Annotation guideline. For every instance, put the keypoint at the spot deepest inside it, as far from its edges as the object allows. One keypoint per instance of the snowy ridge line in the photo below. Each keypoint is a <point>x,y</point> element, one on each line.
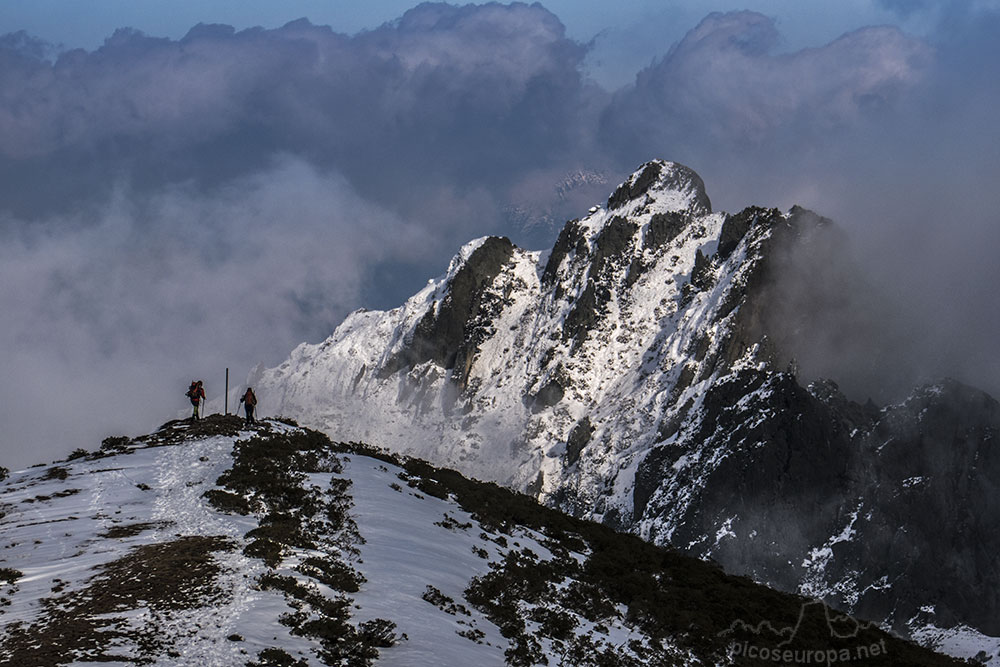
<point>383,559</point>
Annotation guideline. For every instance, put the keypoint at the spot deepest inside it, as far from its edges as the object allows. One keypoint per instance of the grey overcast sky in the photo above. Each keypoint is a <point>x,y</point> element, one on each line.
<point>190,186</point>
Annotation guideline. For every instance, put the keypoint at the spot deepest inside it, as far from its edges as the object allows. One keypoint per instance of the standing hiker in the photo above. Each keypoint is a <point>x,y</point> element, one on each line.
<point>249,402</point>
<point>197,394</point>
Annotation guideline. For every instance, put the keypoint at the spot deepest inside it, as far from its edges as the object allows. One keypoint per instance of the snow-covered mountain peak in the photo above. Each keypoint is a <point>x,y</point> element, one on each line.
<point>647,301</point>
<point>643,373</point>
<point>671,185</point>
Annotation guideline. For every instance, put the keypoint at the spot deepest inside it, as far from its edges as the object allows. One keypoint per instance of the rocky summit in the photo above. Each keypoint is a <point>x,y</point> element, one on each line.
<point>655,371</point>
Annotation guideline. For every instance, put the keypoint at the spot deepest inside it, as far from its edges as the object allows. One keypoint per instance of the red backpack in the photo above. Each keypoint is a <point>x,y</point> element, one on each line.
<point>195,392</point>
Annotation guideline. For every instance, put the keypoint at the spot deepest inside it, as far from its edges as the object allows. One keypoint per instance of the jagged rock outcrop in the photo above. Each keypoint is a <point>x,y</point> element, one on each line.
<point>449,334</point>
<point>644,373</point>
<point>925,504</point>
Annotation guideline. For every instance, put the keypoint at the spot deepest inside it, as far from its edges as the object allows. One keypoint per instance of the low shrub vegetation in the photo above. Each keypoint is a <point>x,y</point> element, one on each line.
<point>269,479</point>
<point>10,575</point>
<point>597,578</point>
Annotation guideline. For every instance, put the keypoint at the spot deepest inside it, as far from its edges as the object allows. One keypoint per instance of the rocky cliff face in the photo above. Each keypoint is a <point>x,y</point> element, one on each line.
<point>643,373</point>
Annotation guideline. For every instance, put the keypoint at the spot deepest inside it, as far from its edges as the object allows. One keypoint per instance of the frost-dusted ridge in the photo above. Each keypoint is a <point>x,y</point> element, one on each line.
<point>214,544</point>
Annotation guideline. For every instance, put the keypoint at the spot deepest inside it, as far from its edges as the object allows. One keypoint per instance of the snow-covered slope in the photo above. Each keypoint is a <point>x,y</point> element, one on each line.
<point>642,373</point>
<point>213,545</point>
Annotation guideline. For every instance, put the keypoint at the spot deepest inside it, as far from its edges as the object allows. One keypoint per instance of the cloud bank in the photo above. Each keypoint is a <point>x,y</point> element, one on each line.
<point>173,207</point>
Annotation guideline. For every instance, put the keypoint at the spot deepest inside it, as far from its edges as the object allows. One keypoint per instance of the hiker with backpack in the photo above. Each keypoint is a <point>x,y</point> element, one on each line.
<point>197,394</point>
<point>249,402</point>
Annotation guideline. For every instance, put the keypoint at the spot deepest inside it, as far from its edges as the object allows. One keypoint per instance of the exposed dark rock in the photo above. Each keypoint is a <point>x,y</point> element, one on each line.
<point>733,230</point>
<point>358,378</point>
<point>613,242</point>
<point>701,277</point>
<point>649,476</point>
<point>931,513</point>
<point>583,315</point>
<point>569,240</point>
<point>634,188</point>
<point>918,484</point>
<point>669,426</point>
<point>684,380</point>
<point>548,395</point>
<point>806,219</point>
<point>461,322</point>
<point>736,226</point>
<point>664,228</point>
<point>860,417</point>
<point>769,296</point>
<point>701,274</point>
<point>779,461</point>
<point>611,250</point>
<point>750,324</point>
<point>579,438</point>
<point>635,270</point>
